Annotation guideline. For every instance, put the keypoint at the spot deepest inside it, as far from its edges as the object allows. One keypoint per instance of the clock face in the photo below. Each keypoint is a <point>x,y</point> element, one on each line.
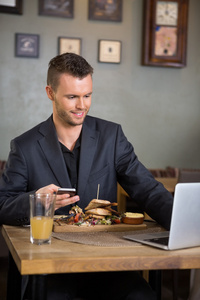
<point>166,13</point>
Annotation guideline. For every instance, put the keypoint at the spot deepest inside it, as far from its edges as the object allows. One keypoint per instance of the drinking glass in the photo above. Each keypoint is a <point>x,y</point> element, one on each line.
<point>41,217</point>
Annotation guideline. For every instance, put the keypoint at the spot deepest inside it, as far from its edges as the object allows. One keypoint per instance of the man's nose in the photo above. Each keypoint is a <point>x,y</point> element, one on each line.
<point>80,103</point>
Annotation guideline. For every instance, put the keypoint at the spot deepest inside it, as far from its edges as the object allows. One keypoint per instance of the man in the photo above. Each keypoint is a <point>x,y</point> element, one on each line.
<point>71,149</point>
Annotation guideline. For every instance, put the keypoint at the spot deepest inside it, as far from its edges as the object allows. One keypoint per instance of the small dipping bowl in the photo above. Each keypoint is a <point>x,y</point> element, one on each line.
<point>133,218</point>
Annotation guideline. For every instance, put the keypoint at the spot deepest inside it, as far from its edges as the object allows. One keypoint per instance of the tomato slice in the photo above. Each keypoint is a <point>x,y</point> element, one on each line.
<point>76,218</point>
<point>117,221</point>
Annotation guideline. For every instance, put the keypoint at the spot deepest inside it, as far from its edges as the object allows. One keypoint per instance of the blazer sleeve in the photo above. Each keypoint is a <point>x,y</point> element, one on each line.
<point>14,198</point>
<point>138,182</point>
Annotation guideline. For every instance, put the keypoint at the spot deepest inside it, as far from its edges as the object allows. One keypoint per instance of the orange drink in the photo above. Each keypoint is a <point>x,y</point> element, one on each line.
<point>41,227</point>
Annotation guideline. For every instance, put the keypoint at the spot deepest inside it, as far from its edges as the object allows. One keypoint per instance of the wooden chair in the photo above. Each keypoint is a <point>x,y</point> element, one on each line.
<point>189,175</point>
<point>2,166</point>
<point>3,248</point>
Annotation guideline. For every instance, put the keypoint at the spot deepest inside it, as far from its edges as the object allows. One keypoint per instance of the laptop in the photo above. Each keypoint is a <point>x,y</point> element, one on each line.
<point>185,222</point>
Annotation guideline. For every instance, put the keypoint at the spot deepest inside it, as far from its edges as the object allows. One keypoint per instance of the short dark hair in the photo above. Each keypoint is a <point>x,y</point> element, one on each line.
<point>70,63</point>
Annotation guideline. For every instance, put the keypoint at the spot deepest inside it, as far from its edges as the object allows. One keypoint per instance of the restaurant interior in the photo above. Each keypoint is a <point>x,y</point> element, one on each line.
<point>156,98</point>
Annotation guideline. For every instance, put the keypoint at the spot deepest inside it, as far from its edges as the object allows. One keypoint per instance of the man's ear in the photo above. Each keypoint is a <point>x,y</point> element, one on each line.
<point>50,92</point>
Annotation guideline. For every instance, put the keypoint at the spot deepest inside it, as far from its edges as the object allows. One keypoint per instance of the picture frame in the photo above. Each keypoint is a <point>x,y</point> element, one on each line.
<point>57,8</point>
<point>109,51</point>
<point>165,33</point>
<point>11,7</point>
<point>68,44</point>
<point>105,10</point>
<point>26,45</point>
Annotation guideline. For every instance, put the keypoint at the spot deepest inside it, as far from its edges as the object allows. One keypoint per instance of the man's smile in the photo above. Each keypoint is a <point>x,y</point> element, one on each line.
<point>79,114</point>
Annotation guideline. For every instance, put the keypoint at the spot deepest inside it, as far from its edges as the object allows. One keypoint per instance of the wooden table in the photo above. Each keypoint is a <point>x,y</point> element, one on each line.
<point>67,257</point>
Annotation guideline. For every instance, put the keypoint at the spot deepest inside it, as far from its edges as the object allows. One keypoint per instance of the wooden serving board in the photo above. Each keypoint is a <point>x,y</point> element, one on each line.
<point>110,228</point>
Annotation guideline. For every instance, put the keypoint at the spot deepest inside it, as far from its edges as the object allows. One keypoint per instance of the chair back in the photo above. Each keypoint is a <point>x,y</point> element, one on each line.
<point>2,166</point>
<point>187,175</point>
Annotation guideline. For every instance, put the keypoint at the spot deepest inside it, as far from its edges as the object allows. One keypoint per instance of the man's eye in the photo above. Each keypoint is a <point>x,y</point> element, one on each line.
<point>71,97</point>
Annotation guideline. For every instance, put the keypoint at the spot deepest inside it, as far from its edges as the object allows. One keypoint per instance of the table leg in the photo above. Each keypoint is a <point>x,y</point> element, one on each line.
<point>38,288</point>
<point>175,284</point>
<point>155,280</point>
<point>14,281</point>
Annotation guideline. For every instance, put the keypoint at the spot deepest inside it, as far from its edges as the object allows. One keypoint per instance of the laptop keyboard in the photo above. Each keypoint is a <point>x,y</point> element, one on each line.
<point>160,240</point>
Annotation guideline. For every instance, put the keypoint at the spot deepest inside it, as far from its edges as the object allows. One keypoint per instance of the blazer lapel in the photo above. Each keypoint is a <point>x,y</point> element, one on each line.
<point>51,148</point>
<point>89,141</point>
<point>52,151</point>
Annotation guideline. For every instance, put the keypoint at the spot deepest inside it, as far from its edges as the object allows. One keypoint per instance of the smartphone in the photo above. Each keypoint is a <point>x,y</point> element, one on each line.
<point>70,191</point>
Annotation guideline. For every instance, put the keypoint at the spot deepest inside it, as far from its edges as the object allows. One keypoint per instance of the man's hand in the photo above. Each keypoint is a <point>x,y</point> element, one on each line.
<point>61,200</point>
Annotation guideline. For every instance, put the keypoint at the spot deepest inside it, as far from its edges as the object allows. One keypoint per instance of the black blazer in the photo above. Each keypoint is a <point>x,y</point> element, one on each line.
<point>106,157</point>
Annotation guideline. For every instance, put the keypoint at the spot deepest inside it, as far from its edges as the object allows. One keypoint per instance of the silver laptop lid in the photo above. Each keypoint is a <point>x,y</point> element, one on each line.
<point>185,223</point>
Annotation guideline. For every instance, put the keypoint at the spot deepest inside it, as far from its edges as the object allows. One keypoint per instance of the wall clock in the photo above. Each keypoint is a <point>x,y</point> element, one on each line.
<point>165,33</point>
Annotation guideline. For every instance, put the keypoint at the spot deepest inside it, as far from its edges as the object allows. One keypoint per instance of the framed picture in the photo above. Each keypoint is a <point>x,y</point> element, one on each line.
<point>105,10</point>
<point>11,6</point>
<point>66,44</point>
<point>57,8</point>
<point>109,51</point>
<point>165,33</point>
<point>26,45</point>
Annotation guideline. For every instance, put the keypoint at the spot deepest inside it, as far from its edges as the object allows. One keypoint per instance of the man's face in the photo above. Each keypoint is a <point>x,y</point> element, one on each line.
<point>72,99</point>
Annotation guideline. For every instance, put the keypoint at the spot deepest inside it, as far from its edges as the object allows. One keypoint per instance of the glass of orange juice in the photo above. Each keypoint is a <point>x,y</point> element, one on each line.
<point>41,218</point>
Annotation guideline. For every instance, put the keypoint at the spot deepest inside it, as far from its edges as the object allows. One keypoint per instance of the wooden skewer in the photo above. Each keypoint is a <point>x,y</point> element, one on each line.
<point>98,191</point>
